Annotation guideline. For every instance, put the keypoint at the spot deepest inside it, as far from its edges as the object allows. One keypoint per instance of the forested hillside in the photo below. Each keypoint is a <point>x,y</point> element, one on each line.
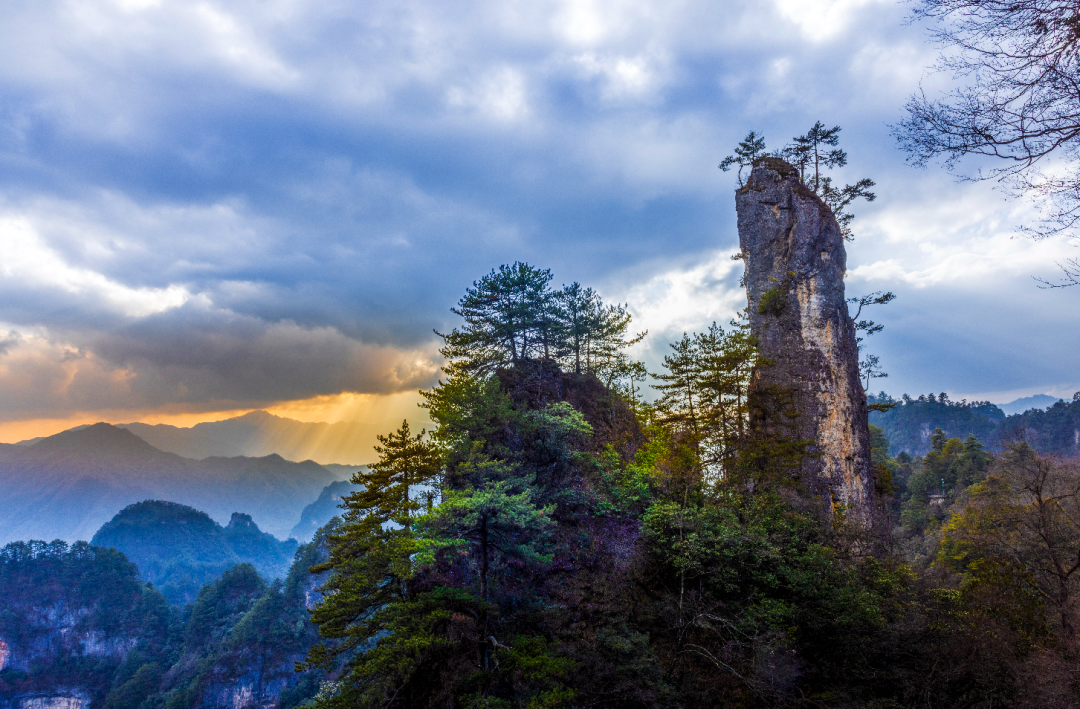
<point>79,629</point>
<point>588,549</point>
<point>179,549</point>
<point>910,424</point>
<point>557,541</point>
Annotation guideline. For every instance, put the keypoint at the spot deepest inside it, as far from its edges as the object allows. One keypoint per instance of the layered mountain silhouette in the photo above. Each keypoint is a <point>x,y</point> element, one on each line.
<point>68,485</point>
<point>259,433</point>
<point>322,510</point>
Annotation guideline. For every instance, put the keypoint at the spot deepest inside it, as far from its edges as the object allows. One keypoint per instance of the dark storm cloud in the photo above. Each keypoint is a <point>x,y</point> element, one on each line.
<point>196,356</point>
<point>188,358</point>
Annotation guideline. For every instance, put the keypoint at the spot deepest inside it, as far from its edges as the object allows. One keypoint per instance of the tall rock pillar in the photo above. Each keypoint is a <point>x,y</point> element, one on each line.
<point>795,262</point>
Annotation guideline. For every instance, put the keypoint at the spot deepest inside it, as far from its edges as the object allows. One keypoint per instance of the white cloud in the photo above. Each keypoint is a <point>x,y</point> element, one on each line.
<point>236,45</point>
<point>583,22</point>
<point>334,169</point>
<point>970,241</point>
<point>822,20</point>
<point>28,260</point>
<point>623,78</point>
<point>500,95</point>
<point>686,298</point>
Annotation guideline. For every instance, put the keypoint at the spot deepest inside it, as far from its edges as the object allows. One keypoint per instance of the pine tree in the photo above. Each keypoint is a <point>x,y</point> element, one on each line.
<point>391,486</point>
<point>680,396</point>
<point>726,360</point>
<point>507,317</point>
<point>493,520</point>
<point>750,149</point>
<point>811,149</point>
<point>580,308</point>
<point>379,624</point>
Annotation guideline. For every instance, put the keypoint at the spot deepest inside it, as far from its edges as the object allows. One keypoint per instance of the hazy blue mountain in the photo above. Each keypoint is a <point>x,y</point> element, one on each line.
<point>66,486</point>
<point>259,433</point>
<point>322,510</point>
<point>343,472</point>
<point>1019,406</point>
<point>180,549</point>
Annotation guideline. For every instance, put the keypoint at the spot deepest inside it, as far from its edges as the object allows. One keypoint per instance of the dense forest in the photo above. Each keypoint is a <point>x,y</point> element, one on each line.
<point>77,622</point>
<point>559,541</point>
<point>180,549</point>
<point>910,423</point>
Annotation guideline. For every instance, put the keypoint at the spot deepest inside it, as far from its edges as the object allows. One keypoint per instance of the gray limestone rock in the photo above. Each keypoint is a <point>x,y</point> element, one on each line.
<point>808,386</point>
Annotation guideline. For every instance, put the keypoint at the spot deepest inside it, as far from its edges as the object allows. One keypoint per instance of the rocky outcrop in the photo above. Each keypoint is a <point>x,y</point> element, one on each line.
<point>60,699</point>
<point>806,386</point>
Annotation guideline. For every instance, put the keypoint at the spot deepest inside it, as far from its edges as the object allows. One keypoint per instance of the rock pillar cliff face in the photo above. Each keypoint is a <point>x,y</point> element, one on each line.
<point>795,262</point>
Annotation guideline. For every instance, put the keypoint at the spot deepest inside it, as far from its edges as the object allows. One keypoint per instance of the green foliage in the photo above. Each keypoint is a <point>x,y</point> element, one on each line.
<point>507,319</point>
<point>909,422</point>
<point>512,316</point>
<point>1049,431</point>
<point>495,521</point>
<point>128,647</point>
<point>746,152</point>
<point>220,606</point>
<point>389,493</point>
<point>673,573</point>
<point>704,393</point>
<point>180,549</point>
<point>1023,521</point>
<point>132,693</point>
<point>99,590</point>
<point>554,544</point>
<point>773,302</point>
<point>810,154</point>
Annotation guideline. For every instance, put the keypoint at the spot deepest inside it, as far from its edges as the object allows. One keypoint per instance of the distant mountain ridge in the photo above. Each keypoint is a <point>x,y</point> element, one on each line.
<point>68,485</point>
<point>1019,406</point>
<point>259,433</point>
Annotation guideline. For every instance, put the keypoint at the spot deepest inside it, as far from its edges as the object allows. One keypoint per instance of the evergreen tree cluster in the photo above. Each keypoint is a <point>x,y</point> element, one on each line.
<point>556,542</point>
<point>512,315</point>
<point>703,392</point>
<point>812,154</point>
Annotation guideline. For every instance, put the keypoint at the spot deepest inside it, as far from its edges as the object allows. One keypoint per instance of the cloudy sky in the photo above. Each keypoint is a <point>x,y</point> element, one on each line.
<point>208,207</point>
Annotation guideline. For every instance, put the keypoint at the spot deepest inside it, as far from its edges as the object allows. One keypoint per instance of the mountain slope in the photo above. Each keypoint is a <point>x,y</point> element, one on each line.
<point>322,510</point>
<point>66,486</point>
<point>80,629</point>
<point>911,422</point>
<point>180,549</point>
